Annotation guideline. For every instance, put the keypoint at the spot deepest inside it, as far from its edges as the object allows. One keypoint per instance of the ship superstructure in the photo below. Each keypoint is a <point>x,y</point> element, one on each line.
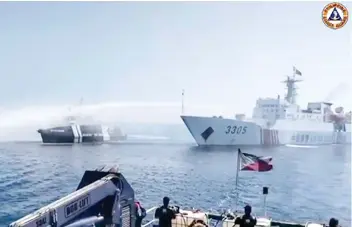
<point>276,121</point>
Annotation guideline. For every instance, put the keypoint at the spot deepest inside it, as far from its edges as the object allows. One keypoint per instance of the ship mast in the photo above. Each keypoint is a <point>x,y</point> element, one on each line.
<point>291,86</point>
<point>183,107</point>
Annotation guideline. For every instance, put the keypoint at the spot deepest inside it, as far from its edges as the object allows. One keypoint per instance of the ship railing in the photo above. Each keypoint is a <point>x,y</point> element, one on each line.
<point>154,220</point>
<point>215,220</point>
<point>218,220</point>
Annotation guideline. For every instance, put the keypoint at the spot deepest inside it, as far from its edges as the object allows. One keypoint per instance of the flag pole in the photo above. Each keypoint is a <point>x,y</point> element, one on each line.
<point>183,94</point>
<point>237,171</point>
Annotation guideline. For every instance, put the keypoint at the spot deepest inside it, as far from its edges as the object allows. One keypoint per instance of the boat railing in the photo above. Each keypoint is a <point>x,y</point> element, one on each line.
<point>154,220</point>
<point>220,220</point>
<point>185,219</point>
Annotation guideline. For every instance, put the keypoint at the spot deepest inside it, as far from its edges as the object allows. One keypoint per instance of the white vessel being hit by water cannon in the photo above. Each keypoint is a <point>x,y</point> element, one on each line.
<point>276,121</point>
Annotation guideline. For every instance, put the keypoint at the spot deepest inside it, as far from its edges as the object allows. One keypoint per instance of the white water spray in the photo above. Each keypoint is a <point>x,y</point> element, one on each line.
<point>22,124</point>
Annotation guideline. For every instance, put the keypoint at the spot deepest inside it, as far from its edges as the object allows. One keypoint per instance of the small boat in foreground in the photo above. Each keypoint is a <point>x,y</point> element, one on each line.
<point>105,198</point>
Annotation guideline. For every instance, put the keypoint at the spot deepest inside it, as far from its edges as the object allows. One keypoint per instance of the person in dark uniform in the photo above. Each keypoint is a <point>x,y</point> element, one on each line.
<point>247,220</point>
<point>165,214</point>
<point>333,222</point>
<point>140,214</point>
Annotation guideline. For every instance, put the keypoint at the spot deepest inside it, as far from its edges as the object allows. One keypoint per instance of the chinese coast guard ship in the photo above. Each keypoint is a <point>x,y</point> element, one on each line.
<point>74,132</point>
<point>276,121</point>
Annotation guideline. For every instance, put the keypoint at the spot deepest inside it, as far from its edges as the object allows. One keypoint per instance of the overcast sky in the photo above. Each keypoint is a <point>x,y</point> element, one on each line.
<point>224,54</point>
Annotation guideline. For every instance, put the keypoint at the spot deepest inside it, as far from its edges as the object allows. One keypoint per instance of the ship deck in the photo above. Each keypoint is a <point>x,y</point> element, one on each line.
<point>185,218</point>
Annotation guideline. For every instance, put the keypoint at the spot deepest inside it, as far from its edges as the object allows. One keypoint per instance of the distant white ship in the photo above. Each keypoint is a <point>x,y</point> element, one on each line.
<point>276,121</point>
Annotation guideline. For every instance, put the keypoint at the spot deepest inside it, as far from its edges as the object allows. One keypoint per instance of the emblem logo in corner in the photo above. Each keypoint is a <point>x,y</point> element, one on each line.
<point>335,15</point>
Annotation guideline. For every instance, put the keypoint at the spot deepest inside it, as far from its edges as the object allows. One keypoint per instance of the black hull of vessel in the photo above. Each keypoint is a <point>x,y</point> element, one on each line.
<point>52,138</point>
<point>73,134</point>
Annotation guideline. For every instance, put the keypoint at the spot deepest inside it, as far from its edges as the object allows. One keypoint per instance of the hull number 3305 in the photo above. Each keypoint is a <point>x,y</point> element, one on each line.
<point>236,129</point>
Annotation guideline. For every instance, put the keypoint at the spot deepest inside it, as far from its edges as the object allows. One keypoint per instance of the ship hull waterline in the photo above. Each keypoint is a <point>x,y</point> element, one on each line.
<point>72,134</point>
<point>214,131</point>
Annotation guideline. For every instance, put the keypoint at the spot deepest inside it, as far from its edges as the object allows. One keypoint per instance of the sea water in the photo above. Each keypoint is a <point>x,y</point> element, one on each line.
<point>305,183</point>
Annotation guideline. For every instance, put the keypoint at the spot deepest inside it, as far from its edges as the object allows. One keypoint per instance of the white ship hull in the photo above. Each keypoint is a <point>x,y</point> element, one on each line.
<point>276,121</point>
<point>219,131</point>
<point>314,137</point>
<point>213,131</point>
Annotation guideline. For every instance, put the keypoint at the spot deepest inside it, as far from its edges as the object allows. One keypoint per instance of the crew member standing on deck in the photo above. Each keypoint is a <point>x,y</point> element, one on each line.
<point>333,222</point>
<point>247,220</point>
<point>140,214</point>
<point>165,214</point>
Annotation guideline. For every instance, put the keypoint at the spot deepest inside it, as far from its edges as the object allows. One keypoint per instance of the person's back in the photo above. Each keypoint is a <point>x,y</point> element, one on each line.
<point>247,220</point>
<point>165,214</point>
<point>140,214</point>
<point>333,222</point>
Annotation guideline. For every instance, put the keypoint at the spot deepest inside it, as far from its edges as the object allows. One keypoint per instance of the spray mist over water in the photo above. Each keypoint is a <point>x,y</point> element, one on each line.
<point>341,90</point>
<point>22,124</point>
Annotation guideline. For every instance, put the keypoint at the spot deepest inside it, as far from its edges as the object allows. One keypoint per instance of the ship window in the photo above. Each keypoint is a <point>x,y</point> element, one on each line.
<point>293,138</point>
<point>307,138</point>
<point>302,138</point>
<point>298,138</point>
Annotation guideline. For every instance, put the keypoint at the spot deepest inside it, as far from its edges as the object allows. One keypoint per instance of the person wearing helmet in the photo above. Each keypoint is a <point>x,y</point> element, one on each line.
<point>140,214</point>
<point>165,214</point>
<point>247,220</point>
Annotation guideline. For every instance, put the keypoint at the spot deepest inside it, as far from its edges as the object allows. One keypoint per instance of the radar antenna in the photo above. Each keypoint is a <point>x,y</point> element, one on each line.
<point>291,86</point>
